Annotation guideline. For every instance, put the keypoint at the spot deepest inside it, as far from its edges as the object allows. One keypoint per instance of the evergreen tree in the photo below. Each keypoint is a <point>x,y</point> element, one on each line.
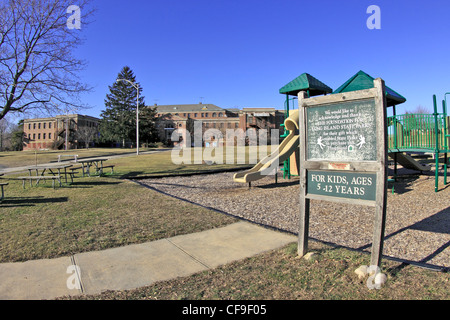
<point>118,120</point>
<point>147,127</point>
<point>18,137</point>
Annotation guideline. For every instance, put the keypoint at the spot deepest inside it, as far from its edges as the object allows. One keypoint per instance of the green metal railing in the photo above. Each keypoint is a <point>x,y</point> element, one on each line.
<point>417,131</point>
<point>421,132</point>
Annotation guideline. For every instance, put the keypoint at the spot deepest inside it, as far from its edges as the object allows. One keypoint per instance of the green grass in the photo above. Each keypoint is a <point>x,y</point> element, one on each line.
<point>92,214</point>
<point>96,213</point>
<point>27,158</point>
<point>162,164</point>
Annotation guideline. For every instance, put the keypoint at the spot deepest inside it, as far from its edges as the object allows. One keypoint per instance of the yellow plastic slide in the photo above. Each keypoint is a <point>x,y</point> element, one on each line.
<point>270,163</point>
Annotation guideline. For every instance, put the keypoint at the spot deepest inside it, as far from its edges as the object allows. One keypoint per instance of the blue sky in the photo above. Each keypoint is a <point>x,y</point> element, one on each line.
<point>239,53</point>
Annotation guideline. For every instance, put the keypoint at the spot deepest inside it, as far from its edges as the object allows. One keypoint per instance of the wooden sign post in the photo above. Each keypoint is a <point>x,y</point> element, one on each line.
<point>343,156</point>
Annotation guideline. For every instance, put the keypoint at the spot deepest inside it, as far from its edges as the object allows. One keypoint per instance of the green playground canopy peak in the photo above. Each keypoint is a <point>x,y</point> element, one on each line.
<point>362,80</point>
<point>306,82</point>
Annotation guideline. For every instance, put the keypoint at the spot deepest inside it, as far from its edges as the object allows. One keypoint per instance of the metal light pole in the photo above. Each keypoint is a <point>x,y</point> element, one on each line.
<point>136,86</point>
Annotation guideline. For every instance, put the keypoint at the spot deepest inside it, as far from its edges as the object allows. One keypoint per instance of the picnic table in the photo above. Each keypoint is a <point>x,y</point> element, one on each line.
<point>2,185</point>
<point>75,156</point>
<point>56,172</point>
<point>97,163</point>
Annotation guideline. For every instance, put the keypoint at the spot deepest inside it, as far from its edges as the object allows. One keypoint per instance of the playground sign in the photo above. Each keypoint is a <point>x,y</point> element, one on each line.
<point>343,155</point>
<point>342,184</point>
<point>344,133</point>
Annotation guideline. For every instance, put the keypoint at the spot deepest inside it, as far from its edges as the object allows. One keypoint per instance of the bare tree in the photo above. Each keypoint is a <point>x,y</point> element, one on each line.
<point>86,134</point>
<point>37,68</point>
<point>4,132</point>
<point>419,110</point>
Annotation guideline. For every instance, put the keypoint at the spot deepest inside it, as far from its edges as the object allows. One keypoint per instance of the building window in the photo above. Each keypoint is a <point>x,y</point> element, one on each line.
<point>195,115</point>
<point>39,136</point>
<point>34,125</point>
<point>49,135</point>
<point>203,115</point>
<point>29,126</point>
<point>43,136</point>
<point>39,125</point>
<point>214,115</point>
<point>44,125</point>
<point>184,114</point>
<point>49,125</point>
<point>206,115</point>
<point>220,114</point>
<point>34,136</point>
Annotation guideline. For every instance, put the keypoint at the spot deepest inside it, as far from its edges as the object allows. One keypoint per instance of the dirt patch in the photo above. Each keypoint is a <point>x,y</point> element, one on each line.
<point>417,226</point>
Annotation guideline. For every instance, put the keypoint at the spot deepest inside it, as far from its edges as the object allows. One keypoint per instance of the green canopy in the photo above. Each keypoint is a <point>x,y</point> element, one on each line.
<point>362,80</point>
<point>306,82</point>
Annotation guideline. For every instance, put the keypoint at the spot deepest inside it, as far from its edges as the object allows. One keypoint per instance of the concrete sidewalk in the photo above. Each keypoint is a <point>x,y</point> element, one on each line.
<point>136,266</point>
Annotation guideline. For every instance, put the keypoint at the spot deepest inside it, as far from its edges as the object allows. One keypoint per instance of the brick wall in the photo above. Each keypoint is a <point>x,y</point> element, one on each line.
<point>40,133</point>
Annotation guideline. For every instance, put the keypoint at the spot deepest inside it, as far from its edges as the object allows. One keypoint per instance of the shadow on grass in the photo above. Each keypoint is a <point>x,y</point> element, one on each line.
<point>182,171</point>
<point>92,184</point>
<point>130,175</point>
<point>29,201</point>
<point>178,185</point>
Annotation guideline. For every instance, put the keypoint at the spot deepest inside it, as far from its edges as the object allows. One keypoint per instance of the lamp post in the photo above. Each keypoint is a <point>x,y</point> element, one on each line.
<point>136,86</point>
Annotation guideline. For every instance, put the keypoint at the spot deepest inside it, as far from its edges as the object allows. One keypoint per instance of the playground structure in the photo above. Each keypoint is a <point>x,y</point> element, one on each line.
<point>420,133</point>
<point>270,164</point>
<point>287,152</point>
<point>313,87</point>
<point>407,134</point>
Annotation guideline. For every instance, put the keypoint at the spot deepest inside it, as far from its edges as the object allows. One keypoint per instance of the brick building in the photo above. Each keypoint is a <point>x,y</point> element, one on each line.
<point>172,117</point>
<point>53,133</point>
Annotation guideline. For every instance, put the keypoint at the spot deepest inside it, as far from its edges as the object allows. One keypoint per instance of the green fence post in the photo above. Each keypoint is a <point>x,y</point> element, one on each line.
<point>286,169</point>
<point>436,128</point>
<point>444,136</point>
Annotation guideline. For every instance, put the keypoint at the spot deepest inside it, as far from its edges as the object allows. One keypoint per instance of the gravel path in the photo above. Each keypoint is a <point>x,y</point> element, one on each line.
<point>417,226</point>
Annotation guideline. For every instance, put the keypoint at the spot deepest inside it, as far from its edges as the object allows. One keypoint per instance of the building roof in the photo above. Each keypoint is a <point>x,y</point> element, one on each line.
<point>234,110</point>
<point>305,82</point>
<point>362,80</point>
<point>187,108</point>
<point>62,117</point>
<point>172,117</point>
<point>258,109</point>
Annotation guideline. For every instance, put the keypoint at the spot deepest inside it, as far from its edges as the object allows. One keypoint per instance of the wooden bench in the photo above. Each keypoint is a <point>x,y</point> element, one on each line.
<point>2,185</point>
<point>110,166</point>
<point>75,156</point>
<point>38,178</point>
<point>86,170</point>
<point>72,175</point>
<point>74,172</point>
